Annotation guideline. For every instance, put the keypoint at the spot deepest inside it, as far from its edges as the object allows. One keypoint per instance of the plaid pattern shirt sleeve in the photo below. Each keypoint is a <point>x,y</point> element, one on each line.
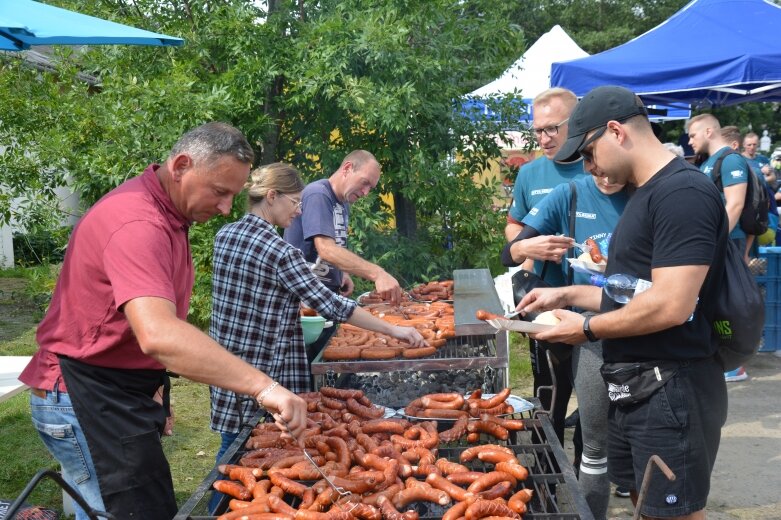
<point>258,282</point>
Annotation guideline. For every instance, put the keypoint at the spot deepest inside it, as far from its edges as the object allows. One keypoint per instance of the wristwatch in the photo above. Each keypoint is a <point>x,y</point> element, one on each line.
<point>587,329</point>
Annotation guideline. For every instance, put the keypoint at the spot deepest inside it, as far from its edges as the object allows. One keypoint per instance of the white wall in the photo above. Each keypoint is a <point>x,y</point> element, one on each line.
<point>6,247</point>
<point>68,201</point>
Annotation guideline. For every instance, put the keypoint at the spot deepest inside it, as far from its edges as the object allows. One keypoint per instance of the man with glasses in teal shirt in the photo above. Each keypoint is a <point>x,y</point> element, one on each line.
<point>551,110</point>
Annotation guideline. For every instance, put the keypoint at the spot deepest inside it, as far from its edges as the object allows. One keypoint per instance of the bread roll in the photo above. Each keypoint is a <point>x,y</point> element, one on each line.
<point>546,318</point>
<point>586,257</point>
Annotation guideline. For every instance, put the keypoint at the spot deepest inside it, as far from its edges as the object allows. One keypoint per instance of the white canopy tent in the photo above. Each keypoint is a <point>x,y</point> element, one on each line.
<point>530,74</point>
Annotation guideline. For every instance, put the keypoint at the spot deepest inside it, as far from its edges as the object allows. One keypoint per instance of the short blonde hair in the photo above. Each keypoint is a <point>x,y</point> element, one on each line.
<point>567,97</point>
<point>707,119</point>
<point>280,177</point>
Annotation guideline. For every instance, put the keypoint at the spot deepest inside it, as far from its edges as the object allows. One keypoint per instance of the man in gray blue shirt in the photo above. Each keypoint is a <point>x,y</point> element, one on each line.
<point>321,229</point>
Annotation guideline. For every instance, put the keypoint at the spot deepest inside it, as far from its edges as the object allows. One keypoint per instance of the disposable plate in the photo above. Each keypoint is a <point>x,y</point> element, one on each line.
<point>517,325</point>
<point>586,267</point>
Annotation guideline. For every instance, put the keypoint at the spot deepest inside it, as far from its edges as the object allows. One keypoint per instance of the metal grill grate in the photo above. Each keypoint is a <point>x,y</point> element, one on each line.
<point>468,346</point>
<point>556,496</point>
<point>458,353</point>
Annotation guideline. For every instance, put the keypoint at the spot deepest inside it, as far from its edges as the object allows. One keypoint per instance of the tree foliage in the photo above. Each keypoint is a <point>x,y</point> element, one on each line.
<point>596,25</point>
<point>306,81</point>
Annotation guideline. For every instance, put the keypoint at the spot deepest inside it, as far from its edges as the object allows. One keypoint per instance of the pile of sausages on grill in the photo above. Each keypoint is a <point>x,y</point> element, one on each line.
<point>434,321</point>
<point>433,291</point>
<point>456,406</point>
<point>426,292</point>
<point>385,464</point>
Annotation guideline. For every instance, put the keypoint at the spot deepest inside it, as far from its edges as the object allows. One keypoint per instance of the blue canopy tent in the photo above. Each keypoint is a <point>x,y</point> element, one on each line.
<point>24,23</point>
<point>710,53</point>
<point>530,75</point>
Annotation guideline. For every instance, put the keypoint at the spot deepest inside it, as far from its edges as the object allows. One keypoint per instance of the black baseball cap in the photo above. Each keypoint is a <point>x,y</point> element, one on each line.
<point>595,109</point>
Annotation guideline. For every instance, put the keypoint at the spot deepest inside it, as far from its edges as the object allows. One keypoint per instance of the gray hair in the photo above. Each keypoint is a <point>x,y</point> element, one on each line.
<point>210,141</point>
<point>359,158</point>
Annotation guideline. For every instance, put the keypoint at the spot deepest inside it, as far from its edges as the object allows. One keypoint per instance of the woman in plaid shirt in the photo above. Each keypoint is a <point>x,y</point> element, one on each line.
<point>259,282</point>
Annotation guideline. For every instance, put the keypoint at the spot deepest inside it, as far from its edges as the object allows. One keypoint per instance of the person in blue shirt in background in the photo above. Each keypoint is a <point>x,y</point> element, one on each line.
<point>762,170</point>
<point>758,162</point>
<point>546,232</point>
<point>705,137</point>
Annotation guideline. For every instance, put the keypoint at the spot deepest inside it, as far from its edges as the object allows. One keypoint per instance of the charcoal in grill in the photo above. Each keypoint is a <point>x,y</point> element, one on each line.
<point>397,389</point>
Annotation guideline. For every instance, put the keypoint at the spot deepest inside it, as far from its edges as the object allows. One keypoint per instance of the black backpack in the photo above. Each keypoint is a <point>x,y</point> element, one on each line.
<point>754,218</point>
<point>739,313</point>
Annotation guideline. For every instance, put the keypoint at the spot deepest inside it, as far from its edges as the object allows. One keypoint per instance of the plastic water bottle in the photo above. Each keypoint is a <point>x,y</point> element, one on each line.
<point>620,287</point>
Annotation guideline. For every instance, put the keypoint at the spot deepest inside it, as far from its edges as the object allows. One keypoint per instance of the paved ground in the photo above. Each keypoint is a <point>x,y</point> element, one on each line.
<point>746,482</point>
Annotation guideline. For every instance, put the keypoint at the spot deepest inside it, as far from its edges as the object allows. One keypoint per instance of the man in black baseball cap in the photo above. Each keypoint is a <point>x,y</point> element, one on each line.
<point>672,237</point>
<point>603,104</point>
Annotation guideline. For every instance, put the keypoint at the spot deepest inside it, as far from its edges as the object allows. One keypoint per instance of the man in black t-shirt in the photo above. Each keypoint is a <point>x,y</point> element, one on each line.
<point>667,390</point>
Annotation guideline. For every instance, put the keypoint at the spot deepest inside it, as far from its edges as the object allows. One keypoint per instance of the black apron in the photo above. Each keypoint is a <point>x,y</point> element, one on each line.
<point>122,425</point>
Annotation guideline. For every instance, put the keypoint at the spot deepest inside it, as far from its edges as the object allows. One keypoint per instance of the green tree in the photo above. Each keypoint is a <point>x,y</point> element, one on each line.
<point>307,82</point>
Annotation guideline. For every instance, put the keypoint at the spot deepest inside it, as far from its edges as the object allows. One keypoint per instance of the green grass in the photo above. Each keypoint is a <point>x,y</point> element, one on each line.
<point>520,366</point>
<point>23,454</point>
<point>190,450</point>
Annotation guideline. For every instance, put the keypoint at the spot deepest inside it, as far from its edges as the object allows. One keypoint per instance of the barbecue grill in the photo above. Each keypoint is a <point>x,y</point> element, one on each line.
<point>476,358</point>
<point>556,492</point>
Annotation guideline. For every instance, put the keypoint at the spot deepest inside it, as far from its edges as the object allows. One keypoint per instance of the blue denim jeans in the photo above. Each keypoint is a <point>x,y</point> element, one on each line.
<point>60,431</point>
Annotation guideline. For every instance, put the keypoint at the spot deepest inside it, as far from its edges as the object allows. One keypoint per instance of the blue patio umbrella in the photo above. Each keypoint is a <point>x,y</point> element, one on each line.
<point>24,23</point>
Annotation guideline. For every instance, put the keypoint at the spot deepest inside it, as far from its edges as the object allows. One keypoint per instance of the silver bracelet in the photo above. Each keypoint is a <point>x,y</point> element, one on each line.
<point>263,393</point>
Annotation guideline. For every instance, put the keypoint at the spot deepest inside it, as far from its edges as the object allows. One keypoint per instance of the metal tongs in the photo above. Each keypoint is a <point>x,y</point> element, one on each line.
<point>343,493</point>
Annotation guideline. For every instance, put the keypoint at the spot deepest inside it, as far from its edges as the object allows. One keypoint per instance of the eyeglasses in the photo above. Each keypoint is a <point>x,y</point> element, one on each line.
<point>589,155</point>
<point>299,204</point>
<point>550,131</point>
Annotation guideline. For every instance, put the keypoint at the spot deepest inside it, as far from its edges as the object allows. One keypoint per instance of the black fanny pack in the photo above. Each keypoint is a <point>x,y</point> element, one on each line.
<point>631,383</point>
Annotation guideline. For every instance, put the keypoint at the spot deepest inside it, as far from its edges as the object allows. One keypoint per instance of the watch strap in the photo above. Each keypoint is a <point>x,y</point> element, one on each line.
<point>587,329</point>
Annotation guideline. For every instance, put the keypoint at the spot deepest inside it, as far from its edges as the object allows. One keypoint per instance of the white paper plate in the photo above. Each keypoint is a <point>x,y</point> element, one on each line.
<point>586,267</point>
<point>517,325</point>
<point>360,298</point>
<point>519,404</point>
<point>391,412</point>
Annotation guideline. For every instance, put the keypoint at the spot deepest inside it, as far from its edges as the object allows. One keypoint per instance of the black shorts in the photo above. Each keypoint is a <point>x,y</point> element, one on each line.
<point>681,423</point>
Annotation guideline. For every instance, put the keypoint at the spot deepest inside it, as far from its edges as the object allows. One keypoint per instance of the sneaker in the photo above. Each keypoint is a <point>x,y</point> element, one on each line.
<point>622,492</point>
<point>739,374</point>
<point>572,420</point>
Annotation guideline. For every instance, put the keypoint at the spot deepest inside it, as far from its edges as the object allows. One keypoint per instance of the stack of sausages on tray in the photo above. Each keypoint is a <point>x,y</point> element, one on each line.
<point>433,291</point>
<point>434,321</point>
<point>387,465</point>
<point>424,292</point>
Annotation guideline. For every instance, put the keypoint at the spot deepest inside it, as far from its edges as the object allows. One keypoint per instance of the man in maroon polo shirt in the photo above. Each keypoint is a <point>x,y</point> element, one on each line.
<point>117,320</point>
